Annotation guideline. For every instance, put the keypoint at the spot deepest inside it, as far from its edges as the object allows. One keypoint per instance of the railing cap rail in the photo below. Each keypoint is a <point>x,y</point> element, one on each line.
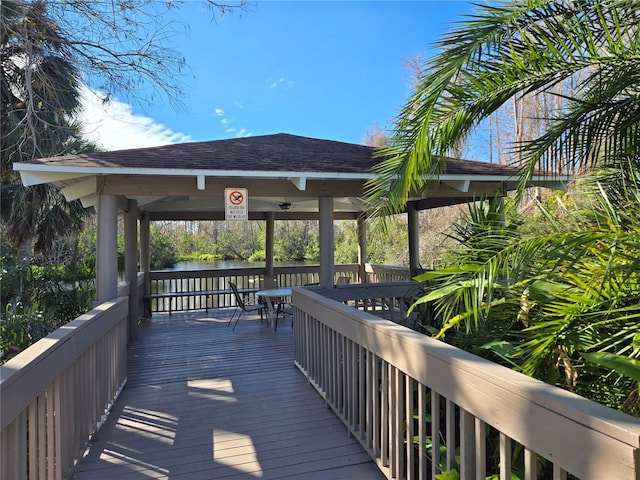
<point>27,374</point>
<point>610,422</point>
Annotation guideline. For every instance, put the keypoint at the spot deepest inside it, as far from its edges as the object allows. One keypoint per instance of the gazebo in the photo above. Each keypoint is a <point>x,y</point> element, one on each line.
<point>284,177</point>
<point>195,404</point>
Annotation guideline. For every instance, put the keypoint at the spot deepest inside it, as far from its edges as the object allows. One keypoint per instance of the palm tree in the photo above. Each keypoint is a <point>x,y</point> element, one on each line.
<point>39,97</point>
<point>512,49</point>
<point>573,289</point>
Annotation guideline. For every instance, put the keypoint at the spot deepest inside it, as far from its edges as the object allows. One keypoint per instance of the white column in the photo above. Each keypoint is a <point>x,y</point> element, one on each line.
<point>362,248</point>
<point>107,249</point>
<point>414,238</point>
<point>326,242</point>
<point>269,280</point>
<point>131,265</point>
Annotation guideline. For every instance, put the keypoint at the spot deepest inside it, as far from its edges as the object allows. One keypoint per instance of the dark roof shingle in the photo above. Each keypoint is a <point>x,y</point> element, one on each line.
<point>280,152</point>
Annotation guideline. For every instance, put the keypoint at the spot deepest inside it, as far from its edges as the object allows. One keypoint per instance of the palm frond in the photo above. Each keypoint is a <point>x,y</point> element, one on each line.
<point>505,51</point>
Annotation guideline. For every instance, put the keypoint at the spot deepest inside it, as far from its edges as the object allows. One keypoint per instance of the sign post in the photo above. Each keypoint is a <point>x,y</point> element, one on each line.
<point>236,202</point>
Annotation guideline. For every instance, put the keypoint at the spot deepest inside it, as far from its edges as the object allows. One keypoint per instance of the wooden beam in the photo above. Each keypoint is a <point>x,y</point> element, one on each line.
<point>134,185</point>
<point>213,216</point>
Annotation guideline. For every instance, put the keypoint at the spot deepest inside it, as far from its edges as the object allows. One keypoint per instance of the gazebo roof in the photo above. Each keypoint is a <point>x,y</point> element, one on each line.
<point>187,180</point>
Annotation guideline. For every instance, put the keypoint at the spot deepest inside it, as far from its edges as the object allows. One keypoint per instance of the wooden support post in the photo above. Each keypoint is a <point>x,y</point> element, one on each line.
<point>107,249</point>
<point>145,260</point>
<point>326,242</point>
<point>414,238</point>
<point>269,279</point>
<point>131,265</point>
<point>362,248</point>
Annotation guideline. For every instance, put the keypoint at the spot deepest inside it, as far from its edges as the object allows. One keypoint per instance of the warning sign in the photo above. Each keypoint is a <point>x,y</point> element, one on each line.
<point>236,204</point>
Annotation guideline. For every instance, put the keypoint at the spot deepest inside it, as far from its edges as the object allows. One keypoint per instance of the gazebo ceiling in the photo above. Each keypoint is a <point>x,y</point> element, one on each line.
<point>187,180</point>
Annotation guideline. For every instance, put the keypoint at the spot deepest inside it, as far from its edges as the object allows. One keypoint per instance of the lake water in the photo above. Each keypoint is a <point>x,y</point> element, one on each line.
<point>194,265</point>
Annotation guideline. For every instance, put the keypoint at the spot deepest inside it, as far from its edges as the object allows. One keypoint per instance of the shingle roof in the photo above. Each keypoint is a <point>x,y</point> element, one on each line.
<point>280,152</point>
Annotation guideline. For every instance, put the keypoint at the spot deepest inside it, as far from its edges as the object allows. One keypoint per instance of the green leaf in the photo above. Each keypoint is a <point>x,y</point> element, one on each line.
<point>501,347</point>
<point>629,367</point>
<point>450,475</point>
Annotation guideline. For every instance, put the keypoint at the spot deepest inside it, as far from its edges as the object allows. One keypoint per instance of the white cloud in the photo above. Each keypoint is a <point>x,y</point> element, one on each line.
<point>281,82</point>
<point>219,112</point>
<point>114,126</point>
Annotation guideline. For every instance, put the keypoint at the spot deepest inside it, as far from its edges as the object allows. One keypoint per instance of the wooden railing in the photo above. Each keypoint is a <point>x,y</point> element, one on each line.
<point>185,290</point>
<point>386,273</point>
<point>55,394</point>
<point>421,407</point>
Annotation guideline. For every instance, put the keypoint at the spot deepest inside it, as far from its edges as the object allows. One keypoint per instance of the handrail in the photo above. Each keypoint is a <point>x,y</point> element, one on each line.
<point>209,288</point>
<point>56,393</point>
<point>406,396</point>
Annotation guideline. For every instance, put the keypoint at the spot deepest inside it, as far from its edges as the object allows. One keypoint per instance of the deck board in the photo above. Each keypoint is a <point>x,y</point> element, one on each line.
<point>205,402</point>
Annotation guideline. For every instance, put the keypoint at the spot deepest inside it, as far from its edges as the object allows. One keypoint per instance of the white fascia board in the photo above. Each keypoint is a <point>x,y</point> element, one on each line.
<point>67,171</point>
<point>30,178</point>
<point>50,173</point>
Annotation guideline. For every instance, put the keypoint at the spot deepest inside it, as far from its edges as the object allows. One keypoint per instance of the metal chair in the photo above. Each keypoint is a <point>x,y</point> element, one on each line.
<point>242,306</point>
<point>284,308</point>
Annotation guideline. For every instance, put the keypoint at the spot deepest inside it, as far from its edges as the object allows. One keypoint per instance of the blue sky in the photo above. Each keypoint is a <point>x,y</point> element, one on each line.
<point>329,69</point>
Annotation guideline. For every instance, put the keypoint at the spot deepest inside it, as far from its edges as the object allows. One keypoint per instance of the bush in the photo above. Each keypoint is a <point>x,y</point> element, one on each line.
<point>39,297</point>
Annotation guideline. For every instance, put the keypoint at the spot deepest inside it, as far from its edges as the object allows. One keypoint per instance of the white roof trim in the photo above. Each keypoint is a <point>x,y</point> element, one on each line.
<point>33,174</point>
<point>40,176</point>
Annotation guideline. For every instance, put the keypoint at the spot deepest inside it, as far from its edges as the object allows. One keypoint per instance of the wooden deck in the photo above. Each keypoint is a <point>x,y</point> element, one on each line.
<point>205,402</point>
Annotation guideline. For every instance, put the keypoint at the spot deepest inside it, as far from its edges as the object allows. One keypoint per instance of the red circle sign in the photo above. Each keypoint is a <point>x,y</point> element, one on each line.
<point>236,197</point>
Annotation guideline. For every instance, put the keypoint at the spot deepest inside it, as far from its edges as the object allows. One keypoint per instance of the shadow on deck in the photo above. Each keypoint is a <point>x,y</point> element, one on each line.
<point>205,402</point>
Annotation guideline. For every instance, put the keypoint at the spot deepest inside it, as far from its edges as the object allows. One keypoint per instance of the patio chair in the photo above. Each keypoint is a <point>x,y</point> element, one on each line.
<point>242,306</point>
<point>285,309</point>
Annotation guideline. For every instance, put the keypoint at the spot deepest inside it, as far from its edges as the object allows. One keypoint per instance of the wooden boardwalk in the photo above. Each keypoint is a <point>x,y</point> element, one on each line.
<point>205,402</point>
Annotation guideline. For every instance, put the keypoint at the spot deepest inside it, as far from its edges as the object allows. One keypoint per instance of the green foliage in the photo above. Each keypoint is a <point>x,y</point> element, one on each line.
<point>629,367</point>
<point>162,249</point>
<point>39,297</point>
<point>387,244</point>
<point>501,53</point>
<point>448,475</point>
<point>346,242</point>
<point>258,256</point>
<point>566,283</point>
<point>19,330</point>
<point>540,299</point>
<point>296,241</point>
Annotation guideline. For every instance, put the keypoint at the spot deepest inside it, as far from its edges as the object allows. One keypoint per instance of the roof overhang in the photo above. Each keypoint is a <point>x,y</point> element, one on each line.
<point>198,193</point>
